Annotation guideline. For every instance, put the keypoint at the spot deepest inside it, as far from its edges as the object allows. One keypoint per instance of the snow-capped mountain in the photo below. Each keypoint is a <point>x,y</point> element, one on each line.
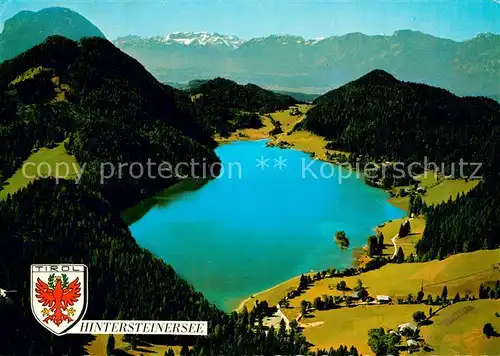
<point>195,39</point>
<point>285,40</point>
<point>213,39</point>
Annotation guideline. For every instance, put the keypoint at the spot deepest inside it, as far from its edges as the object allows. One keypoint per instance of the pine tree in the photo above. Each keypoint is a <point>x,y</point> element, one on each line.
<point>303,307</point>
<point>110,346</point>
<point>420,296</point>
<point>401,231</point>
<point>185,351</point>
<point>482,292</point>
<point>133,342</point>
<point>373,246</point>
<point>282,335</point>
<point>444,295</point>
<point>400,256</point>
<point>317,303</point>
<point>380,237</point>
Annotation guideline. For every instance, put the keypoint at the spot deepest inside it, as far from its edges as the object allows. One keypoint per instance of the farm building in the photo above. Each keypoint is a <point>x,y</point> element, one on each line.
<point>408,326</point>
<point>383,299</point>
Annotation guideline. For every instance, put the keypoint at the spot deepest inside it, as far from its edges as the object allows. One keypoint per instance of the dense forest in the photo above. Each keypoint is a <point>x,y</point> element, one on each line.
<point>113,111</point>
<point>384,118</point>
<point>467,224</point>
<point>228,106</point>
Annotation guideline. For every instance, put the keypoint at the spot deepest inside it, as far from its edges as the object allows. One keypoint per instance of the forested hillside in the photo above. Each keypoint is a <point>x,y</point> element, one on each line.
<point>382,117</point>
<point>466,224</point>
<point>113,111</point>
<point>228,106</point>
<point>69,223</point>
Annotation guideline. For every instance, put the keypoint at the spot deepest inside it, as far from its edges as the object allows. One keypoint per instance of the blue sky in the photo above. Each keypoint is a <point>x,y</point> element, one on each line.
<point>456,19</point>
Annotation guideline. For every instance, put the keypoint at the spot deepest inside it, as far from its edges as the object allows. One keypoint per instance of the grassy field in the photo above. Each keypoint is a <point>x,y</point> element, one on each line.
<point>287,121</point>
<point>45,161</point>
<point>307,142</point>
<point>301,140</point>
<point>31,73</point>
<point>349,326</point>
<point>272,295</point>
<point>437,192</point>
<point>458,329</point>
<point>390,229</point>
<point>249,134</point>
<point>462,273</point>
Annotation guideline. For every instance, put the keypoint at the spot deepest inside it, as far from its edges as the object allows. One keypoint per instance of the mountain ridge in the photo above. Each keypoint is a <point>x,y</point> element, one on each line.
<point>30,28</point>
<point>396,33</point>
<point>466,67</point>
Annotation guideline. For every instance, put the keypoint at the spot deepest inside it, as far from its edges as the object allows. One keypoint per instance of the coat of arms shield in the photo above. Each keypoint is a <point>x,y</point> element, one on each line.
<point>59,295</point>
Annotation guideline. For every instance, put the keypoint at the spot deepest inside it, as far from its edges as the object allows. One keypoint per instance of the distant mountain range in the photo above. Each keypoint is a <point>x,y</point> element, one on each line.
<point>293,63</point>
<point>27,29</point>
<point>193,84</point>
<point>283,63</point>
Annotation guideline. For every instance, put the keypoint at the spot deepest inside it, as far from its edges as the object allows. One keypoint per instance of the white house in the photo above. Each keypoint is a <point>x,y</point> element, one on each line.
<point>409,326</point>
<point>383,299</point>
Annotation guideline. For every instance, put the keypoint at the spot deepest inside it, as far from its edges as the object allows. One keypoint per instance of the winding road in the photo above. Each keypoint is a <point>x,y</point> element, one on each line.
<point>394,242</point>
<point>395,246</point>
<point>283,316</point>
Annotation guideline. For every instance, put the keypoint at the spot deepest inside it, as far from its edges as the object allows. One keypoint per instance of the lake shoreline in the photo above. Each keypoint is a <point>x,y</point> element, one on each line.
<point>360,254</point>
<point>253,296</point>
<point>360,258</point>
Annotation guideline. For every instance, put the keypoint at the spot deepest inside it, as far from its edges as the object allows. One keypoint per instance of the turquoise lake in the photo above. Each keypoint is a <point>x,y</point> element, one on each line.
<point>235,236</point>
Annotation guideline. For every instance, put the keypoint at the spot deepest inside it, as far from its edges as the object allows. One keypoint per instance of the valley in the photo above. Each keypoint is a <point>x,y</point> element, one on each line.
<point>462,274</point>
<point>285,223</point>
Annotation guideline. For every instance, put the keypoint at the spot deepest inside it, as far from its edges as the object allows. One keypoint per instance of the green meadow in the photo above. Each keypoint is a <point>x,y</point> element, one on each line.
<point>54,162</point>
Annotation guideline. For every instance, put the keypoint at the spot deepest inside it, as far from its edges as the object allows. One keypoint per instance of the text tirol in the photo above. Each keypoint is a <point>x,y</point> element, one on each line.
<point>58,268</point>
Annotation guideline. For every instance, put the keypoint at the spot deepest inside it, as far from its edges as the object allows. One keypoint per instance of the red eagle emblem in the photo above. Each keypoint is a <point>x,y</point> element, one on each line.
<point>58,298</point>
